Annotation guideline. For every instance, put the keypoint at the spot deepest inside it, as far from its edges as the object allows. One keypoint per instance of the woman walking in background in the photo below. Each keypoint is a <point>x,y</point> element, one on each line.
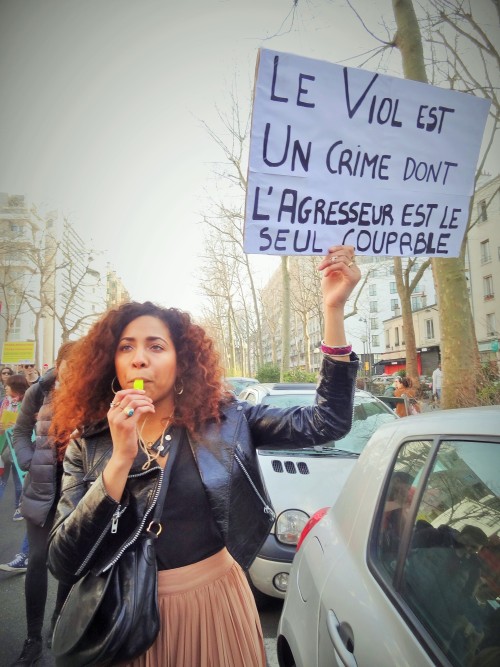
<point>404,388</point>
<point>16,386</point>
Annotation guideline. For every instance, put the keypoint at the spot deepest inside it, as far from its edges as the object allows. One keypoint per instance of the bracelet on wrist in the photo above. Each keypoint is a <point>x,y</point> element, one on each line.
<point>336,350</point>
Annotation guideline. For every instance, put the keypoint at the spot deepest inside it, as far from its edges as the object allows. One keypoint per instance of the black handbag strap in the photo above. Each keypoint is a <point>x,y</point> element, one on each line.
<point>156,518</point>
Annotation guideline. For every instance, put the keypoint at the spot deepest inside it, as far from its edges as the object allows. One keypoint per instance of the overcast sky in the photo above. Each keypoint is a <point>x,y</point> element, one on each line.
<point>102,110</point>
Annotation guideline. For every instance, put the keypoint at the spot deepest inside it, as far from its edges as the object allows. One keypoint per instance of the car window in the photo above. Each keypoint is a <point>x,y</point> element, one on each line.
<point>368,416</point>
<point>449,572</point>
<point>238,384</point>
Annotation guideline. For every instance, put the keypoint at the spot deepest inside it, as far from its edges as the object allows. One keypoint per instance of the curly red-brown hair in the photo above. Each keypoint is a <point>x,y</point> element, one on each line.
<point>84,396</point>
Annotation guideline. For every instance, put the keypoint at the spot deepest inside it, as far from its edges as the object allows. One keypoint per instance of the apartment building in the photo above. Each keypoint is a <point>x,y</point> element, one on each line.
<point>116,292</point>
<point>50,288</point>
<point>482,265</point>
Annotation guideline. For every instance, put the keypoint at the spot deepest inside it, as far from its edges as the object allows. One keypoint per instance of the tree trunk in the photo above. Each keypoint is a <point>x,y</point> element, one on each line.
<point>460,355</point>
<point>408,328</point>
<point>285,315</point>
<point>307,342</point>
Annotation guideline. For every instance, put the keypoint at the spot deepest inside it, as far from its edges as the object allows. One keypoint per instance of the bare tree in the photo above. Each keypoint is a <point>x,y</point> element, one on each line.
<point>285,317</point>
<point>405,285</point>
<point>74,266</point>
<point>270,306</point>
<point>453,32</point>
<point>228,220</point>
<point>305,298</point>
<point>45,272</point>
<point>460,370</point>
<point>219,286</point>
<point>14,274</point>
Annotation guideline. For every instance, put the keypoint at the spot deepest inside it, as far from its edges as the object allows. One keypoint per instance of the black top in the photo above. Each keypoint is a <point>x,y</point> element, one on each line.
<point>189,533</point>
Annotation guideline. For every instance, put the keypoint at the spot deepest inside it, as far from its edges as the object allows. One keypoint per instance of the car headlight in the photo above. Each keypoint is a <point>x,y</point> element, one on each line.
<point>289,526</point>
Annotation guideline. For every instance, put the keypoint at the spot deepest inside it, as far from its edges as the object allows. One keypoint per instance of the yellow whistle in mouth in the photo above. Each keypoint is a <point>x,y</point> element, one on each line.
<point>138,384</point>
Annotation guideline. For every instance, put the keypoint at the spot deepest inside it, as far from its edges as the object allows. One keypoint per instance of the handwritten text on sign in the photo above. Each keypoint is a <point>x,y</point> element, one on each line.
<point>345,156</point>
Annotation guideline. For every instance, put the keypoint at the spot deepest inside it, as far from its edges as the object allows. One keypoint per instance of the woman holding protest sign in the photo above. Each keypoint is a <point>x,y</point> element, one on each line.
<point>146,390</point>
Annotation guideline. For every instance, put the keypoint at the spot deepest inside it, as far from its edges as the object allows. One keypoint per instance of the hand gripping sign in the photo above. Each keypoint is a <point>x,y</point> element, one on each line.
<point>340,155</point>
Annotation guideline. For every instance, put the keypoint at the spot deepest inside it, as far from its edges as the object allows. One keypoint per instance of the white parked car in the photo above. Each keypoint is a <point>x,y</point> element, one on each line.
<point>302,480</point>
<point>404,568</point>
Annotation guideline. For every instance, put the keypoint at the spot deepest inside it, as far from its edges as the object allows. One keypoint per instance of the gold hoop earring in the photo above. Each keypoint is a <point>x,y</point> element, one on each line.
<point>112,385</point>
<point>179,390</point>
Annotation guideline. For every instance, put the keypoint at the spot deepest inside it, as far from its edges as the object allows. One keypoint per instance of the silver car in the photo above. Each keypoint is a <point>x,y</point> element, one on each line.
<point>404,568</point>
<point>304,479</point>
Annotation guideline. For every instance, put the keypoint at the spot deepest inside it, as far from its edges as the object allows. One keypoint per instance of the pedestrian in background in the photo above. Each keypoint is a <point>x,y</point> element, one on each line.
<point>41,492</point>
<point>16,386</point>
<point>404,389</point>
<point>31,373</point>
<point>437,383</point>
<point>390,389</point>
<point>5,372</point>
<point>216,513</point>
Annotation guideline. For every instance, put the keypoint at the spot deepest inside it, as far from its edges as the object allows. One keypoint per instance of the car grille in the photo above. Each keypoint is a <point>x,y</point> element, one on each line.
<point>290,467</point>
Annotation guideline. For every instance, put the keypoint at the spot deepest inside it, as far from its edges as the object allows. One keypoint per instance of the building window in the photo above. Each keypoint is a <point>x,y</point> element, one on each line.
<point>373,307</point>
<point>373,323</point>
<point>488,287</point>
<point>396,336</point>
<point>375,341</point>
<point>15,330</point>
<point>388,339</point>
<point>17,229</point>
<point>372,290</point>
<point>482,211</point>
<point>394,304</point>
<point>491,324</point>
<point>393,288</point>
<point>485,251</point>
<point>429,329</point>
<point>418,302</point>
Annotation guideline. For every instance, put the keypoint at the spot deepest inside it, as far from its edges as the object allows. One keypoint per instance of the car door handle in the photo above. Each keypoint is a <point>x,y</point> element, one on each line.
<point>342,639</point>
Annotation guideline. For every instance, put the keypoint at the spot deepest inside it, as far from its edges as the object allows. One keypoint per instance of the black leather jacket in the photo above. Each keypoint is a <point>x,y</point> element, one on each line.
<point>37,457</point>
<point>91,529</point>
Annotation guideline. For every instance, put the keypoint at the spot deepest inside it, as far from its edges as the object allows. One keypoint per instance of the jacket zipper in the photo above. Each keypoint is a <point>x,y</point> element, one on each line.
<point>268,510</point>
<point>141,525</point>
<point>114,526</point>
<point>114,519</point>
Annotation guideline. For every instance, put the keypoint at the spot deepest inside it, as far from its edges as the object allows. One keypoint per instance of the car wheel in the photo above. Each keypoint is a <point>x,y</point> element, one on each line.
<point>261,599</point>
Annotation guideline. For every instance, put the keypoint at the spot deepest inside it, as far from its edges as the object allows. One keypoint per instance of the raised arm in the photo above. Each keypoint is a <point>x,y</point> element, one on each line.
<point>340,277</point>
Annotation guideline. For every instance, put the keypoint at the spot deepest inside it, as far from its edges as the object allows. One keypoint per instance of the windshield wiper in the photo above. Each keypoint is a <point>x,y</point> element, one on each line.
<point>323,449</point>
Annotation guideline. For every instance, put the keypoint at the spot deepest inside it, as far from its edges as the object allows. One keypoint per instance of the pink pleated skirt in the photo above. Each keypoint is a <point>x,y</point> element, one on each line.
<point>209,618</point>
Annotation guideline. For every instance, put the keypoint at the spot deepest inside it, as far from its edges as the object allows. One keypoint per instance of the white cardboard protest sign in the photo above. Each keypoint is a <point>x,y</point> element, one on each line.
<point>340,155</point>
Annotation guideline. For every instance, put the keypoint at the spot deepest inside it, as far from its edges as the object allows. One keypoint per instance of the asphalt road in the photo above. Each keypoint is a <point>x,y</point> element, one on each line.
<point>12,616</point>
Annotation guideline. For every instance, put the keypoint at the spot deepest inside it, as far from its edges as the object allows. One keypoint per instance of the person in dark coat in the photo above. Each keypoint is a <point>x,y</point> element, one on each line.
<point>41,492</point>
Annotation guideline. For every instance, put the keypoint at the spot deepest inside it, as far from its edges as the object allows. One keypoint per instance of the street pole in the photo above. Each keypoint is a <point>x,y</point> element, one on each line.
<point>365,379</point>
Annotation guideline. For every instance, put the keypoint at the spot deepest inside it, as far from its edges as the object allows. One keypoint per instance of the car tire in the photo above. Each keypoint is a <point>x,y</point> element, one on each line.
<point>261,599</point>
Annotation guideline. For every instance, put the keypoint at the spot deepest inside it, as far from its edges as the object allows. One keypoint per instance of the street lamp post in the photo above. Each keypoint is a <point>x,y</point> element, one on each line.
<point>365,379</point>
<point>367,352</point>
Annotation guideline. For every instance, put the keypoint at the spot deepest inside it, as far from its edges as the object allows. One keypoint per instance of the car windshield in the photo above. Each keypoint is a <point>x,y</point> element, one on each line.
<point>239,384</point>
<point>369,414</point>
